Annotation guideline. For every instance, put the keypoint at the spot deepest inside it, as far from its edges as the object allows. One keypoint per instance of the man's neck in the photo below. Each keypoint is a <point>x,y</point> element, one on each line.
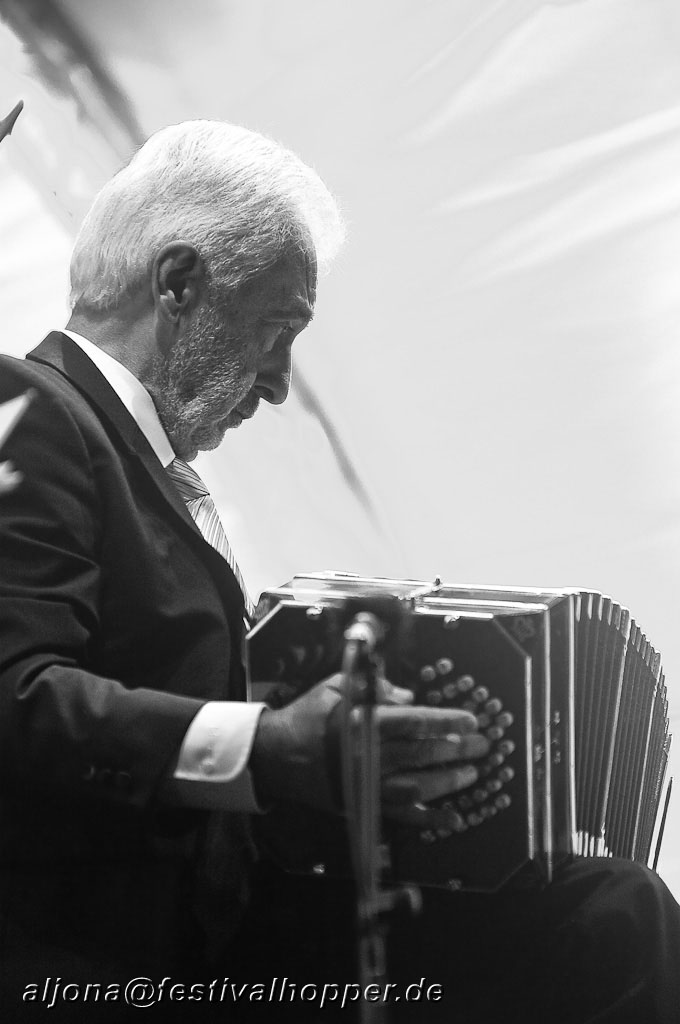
<point>131,343</point>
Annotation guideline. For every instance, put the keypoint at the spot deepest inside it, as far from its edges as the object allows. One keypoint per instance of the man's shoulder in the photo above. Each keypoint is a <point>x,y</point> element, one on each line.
<point>17,374</point>
<point>59,408</point>
<point>44,377</point>
<point>16,367</point>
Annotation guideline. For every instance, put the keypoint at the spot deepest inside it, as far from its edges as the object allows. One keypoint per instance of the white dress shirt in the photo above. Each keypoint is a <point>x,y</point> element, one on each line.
<point>212,767</point>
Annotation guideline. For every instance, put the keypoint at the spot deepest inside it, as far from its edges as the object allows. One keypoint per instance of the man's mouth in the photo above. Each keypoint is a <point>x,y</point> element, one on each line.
<point>247,412</point>
<point>237,416</point>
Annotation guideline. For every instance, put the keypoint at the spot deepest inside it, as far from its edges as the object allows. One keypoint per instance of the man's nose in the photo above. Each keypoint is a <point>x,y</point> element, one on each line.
<point>273,379</point>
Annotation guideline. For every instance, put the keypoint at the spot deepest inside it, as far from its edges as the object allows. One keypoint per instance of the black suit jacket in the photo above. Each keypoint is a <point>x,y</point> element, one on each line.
<point>117,622</point>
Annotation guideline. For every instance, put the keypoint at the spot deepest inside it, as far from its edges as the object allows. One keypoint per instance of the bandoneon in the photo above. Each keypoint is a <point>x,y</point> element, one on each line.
<point>564,684</point>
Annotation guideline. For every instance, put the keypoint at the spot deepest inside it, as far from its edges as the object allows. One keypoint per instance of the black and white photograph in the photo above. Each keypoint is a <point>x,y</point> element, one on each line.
<point>340,511</point>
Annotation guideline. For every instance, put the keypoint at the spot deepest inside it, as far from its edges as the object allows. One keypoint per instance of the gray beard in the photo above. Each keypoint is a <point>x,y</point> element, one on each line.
<point>199,383</point>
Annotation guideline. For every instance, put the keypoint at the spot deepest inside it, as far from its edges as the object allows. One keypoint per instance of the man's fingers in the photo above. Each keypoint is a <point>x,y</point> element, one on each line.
<point>428,785</point>
<point>423,817</point>
<point>423,723</point>
<point>388,694</point>
<point>401,754</point>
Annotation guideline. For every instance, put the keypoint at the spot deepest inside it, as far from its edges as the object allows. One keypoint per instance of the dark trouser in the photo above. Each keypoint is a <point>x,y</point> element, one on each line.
<point>600,944</point>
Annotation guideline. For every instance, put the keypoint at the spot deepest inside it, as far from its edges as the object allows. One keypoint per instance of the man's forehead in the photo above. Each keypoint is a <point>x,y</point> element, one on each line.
<point>287,288</point>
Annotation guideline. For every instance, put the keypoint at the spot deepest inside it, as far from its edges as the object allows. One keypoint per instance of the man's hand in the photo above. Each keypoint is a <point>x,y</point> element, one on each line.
<point>425,753</point>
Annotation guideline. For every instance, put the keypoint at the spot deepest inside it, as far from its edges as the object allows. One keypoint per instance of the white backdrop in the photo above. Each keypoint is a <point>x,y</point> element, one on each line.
<point>495,356</point>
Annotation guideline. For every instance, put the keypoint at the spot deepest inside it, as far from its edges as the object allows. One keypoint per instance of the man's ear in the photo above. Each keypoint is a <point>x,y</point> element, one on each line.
<point>177,280</point>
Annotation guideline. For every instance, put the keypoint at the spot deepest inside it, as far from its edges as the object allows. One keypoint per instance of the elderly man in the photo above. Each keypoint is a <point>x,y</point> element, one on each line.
<point>129,757</point>
<point>123,720</point>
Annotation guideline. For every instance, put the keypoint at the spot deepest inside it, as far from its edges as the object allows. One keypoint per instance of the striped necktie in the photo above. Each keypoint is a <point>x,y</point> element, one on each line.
<point>202,509</point>
<point>225,850</point>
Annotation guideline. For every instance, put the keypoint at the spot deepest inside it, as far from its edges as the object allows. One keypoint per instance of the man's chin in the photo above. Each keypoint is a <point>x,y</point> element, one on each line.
<point>235,419</point>
<point>206,439</point>
<point>189,447</point>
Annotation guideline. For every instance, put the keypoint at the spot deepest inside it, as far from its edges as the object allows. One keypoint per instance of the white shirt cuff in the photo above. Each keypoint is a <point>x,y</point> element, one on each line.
<point>212,767</point>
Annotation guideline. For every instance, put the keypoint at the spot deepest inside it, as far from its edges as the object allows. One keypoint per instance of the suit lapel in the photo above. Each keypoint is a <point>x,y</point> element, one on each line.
<point>62,353</point>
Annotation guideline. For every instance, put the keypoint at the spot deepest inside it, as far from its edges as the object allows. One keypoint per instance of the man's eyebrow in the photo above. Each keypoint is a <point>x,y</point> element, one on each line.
<point>296,311</point>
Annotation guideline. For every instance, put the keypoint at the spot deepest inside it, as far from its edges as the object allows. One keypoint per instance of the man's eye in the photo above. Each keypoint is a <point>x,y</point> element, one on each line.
<point>285,333</point>
<point>280,335</point>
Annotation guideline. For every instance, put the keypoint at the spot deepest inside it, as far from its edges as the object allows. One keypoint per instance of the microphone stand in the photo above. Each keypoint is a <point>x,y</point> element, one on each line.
<point>361,784</point>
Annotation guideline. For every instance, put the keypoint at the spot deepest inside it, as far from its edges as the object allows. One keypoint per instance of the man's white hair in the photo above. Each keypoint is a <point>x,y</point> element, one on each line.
<point>241,199</point>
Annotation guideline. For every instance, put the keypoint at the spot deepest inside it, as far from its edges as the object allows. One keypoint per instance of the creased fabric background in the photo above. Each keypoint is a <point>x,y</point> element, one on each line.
<point>490,389</point>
